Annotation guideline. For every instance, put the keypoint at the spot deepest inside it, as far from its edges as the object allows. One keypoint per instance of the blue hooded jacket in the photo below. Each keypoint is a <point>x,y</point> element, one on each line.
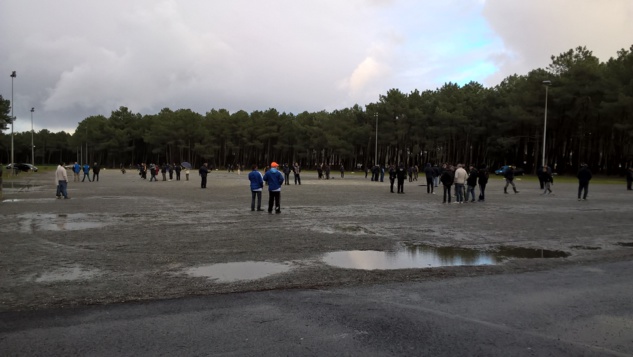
<point>257,182</point>
<point>274,179</point>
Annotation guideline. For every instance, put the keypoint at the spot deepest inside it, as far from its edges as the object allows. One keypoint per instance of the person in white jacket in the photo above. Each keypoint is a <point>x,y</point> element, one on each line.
<point>62,181</point>
<point>460,179</point>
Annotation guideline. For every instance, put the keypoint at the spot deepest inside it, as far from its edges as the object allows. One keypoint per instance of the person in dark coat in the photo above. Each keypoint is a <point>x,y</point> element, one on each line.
<point>286,170</point>
<point>548,181</point>
<point>629,178</point>
<point>447,181</point>
<point>483,181</point>
<point>401,174</point>
<point>204,171</point>
<point>509,176</point>
<point>178,168</point>
<point>471,183</point>
<point>584,176</point>
<point>392,175</point>
<point>95,172</point>
<point>430,173</point>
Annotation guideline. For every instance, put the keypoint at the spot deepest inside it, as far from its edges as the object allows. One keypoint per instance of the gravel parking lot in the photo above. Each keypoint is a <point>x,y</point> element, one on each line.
<point>126,239</point>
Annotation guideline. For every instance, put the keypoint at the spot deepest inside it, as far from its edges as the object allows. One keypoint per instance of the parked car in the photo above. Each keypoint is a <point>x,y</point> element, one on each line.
<point>22,167</point>
<point>517,170</point>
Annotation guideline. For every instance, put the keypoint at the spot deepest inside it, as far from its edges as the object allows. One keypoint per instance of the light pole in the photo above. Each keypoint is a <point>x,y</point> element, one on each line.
<point>546,84</point>
<point>13,75</point>
<point>32,146</point>
<point>376,157</point>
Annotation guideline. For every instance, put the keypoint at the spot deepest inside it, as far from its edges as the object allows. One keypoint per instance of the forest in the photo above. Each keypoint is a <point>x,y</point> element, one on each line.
<point>589,120</point>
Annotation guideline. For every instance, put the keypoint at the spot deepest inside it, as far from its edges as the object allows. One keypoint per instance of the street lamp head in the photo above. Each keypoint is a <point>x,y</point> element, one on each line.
<point>547,83</point>
<point>32,110</point>
<point>13,75</point>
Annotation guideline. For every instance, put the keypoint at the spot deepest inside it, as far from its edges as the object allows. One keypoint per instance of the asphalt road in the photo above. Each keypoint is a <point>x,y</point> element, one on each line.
<point>569,311</point>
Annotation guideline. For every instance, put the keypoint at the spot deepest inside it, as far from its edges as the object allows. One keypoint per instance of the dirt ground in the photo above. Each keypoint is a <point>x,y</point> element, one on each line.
<point>125,239</point>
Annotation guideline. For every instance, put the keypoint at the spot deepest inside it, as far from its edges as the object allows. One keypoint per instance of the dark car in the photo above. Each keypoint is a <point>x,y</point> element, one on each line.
<point>517,170</point>
<point>22,167</point>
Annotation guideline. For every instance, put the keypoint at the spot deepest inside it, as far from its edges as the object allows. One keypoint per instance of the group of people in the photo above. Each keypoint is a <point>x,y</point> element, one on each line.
<point>164,169</point>
<point>85,168</point>
<point>274,179</point>
<point>295,169</point>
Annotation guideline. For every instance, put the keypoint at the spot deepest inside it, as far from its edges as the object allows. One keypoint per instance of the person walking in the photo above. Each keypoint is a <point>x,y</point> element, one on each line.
<point>95,172</point>
<point>446,178</point>
<point>76,171</point>
<point>297,173</point>
<point>548,181</point>
<point>275,179</point>
<point>257,185</point>
<point>429,172</point>
<point>471,183</point>
<point>204,171</point>
<point>483,181</point>
<point>62,181</point>
<point>460,180</point>
<point>152,172</point>
<point>584,176</point>
<point>509,176</point>
<point>629,179</point>
<point>401,175</point>
<point>86,169</point>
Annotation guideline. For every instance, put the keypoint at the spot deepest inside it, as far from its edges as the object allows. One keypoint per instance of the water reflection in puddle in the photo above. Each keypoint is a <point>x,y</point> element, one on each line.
<point>422,256</point>
<point>228,272</point>
<point>66,274</point>
<point>32,222</point>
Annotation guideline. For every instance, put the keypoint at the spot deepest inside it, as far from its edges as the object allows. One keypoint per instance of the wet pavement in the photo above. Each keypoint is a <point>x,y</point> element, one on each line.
<point>126,239</point>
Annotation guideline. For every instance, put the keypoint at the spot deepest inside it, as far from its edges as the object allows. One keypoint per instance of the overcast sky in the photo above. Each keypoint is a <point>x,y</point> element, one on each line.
<point>76,58</point>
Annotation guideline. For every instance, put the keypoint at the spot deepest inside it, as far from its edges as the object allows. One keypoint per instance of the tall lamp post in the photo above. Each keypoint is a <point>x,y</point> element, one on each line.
<point>376,154</point>
<point>32,146</point>
<point>546,84</point>
<point>13,75</point>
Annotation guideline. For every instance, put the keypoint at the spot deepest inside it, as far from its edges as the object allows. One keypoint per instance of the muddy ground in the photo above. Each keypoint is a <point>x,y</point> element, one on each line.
<point>125,239</point>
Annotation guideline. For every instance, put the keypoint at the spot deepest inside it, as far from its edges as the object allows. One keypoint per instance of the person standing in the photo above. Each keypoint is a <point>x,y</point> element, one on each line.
<point>342,168</point>
<point>584,176</point>
<point>548,181</point>
<point>86,169</point>
<point>401,175</point>
<point>629,178</point>
<point>163,171</point>
<point>178,169</point>
<point>509,176</point>
<point>471,182</point>
<point>204,171</point>
<point>392,175</point>
<point>275,179</point>
<point>62,181</point>
<point>286,174</point>
<point>186,174</point>
<point>170,168</point>
<point>382,173</point>
<point>447,178</point>
<point>76,171</point>
<point>429,172</point>
<point>460,180</point>
<point>257,185</point>
<point>95,172</point>
<point>152,172</point>
<point>297,172</point>
<point>483,181</point>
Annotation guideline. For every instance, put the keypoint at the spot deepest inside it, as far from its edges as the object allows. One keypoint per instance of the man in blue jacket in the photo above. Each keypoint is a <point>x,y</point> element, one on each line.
<point>274,179</point>
<point>257,184</point>
<point>86,169</point>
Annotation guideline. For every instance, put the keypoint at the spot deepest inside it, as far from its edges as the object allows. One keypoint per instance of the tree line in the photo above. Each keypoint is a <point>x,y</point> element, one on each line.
<point>589,120</point>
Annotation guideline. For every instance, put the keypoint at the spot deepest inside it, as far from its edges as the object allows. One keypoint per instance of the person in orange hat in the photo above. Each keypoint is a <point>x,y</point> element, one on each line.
<point>275,179</point>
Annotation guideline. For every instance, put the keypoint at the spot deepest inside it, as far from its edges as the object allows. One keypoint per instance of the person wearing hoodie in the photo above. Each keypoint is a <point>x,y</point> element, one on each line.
<point>257,184</point>
<point>429,172</point>
<point>447,181</point>
<point>483,181</point>
<point>471,182</point>
<point>584,176</point>
<point>274,179</point>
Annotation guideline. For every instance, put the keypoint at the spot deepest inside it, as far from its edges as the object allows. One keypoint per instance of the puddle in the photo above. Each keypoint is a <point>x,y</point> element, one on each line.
<point>66,274</point>
<point>584,247</point>
<point>34,222</point>
<point>228,272</point>
<point>422,256</point>
<point>624,244</point>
